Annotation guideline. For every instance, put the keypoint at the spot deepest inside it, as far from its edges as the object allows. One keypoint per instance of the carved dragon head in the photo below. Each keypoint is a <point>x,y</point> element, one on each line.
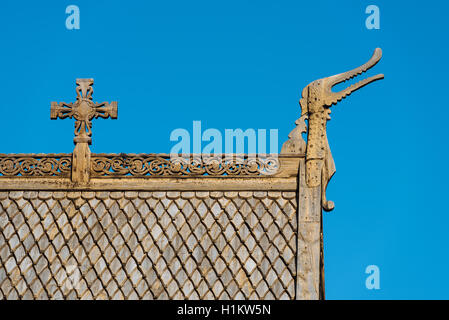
<point>316,100</point>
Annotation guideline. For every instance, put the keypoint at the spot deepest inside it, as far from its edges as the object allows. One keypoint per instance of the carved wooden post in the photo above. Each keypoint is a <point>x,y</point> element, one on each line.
<point>80,163</point>
<point>83,110</point>
<point>316,171</point>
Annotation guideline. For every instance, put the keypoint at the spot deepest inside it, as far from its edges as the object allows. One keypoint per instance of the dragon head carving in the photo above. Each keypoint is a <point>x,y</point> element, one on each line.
<point>317,98</point>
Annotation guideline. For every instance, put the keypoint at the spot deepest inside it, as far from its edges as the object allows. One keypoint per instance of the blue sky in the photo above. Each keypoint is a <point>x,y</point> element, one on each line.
<point>243,64</point>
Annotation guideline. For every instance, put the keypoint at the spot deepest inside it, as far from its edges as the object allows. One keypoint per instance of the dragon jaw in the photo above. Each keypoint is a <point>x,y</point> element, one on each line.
<point>319,94</point>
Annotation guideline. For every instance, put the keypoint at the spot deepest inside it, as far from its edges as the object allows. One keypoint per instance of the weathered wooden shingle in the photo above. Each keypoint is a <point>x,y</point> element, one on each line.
<point>147,245</point>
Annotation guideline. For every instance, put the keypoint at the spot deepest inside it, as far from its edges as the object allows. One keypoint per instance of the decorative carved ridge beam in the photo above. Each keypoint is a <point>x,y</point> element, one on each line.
<point>40,165</point>
<point>200,165</point>
<point>317,98</point>
<point>144,165</point>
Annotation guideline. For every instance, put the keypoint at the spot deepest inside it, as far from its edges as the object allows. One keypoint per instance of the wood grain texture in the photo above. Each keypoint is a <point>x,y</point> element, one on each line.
<point>309,240</point>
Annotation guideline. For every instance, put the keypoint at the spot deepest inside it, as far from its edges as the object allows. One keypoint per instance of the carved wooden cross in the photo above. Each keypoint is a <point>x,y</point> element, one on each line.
<point>83,110</point>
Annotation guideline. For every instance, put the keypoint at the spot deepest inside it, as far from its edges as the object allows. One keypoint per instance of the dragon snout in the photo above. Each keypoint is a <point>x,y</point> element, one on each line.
<point>334,97</point>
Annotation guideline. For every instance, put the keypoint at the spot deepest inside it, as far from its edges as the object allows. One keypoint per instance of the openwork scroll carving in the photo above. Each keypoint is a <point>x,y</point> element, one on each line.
<point>163,165</point>
<point>35,165</point>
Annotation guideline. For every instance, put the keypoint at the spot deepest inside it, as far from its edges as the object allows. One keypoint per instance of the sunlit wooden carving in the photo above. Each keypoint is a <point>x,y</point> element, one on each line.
<point>83,110</point>
<point>162,165</point>
<point>317,98</point>
<point>40,165</point>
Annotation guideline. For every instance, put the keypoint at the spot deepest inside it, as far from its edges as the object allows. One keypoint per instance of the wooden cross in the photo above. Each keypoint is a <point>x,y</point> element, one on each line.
<point>83,110</point>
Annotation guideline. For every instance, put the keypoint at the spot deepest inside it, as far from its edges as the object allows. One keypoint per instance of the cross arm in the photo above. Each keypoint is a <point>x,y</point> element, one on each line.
<point>61,110</point>
<point>105,110</point>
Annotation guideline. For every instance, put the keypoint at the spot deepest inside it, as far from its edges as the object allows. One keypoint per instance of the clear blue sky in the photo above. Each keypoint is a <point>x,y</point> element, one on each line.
<point>243,64</point>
